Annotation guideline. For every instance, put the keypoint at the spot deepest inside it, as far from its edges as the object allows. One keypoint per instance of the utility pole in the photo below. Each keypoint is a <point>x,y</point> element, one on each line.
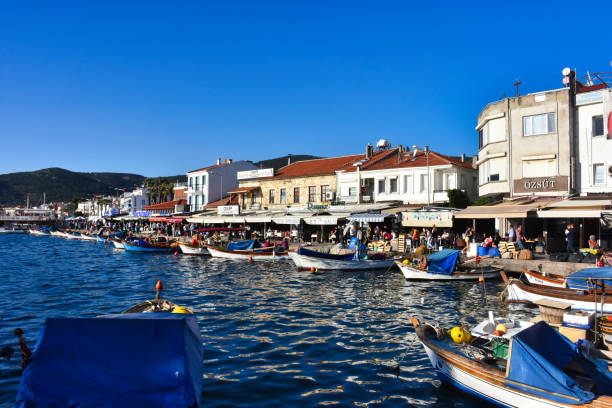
<point>428,178</point>
<point>517,83</point>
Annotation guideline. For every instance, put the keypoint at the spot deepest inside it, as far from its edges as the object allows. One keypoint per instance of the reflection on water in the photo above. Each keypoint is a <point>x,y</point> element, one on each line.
<point>273,336</point>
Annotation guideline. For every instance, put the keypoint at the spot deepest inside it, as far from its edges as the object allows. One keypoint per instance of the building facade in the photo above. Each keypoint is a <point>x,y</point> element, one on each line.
<point>134,201</point>
<point>212,183</point>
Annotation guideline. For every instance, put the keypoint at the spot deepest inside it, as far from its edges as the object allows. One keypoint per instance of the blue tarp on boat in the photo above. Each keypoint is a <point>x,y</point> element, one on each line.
<point>317,254</point>
<point>539,356</point>
<point>586,278</point>
<point>442,262</point>
<point>127,360</point>
<point>241,245</point>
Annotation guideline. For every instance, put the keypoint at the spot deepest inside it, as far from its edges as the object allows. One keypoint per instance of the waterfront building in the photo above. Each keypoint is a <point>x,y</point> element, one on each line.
<point>134,201</point>
<point>212,183</point>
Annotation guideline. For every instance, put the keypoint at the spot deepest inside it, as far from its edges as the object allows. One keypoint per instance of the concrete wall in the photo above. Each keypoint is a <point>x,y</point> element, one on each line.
<point>493,155</point>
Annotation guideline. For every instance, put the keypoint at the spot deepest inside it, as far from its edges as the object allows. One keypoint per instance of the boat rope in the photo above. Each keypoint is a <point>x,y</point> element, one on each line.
<point>503,296</point>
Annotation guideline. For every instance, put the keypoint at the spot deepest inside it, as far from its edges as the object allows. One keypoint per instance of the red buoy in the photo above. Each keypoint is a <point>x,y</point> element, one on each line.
<point>159,285</point>
<point>175,254</point>
<point>481,279</point>
<point>250,258</point>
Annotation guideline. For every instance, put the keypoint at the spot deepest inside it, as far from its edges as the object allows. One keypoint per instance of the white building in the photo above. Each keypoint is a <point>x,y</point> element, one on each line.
<point>134,200</point>
<point>594,142</point>
<point>411,177</point>
<point>212,183</point>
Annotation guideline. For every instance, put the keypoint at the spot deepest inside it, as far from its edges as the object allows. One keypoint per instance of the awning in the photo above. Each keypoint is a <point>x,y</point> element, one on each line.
<point>322,220</point>
<point>498,211</point>
<point>368,217</point>
<point>234,220</point>
<point>287,220</point>
<point>428,218</point>
<point>243,190</point>
<point>206,220</point>
<point>170,220</point>
<point>569,213</point>
<point>260,219</point>
<point>575,209</point>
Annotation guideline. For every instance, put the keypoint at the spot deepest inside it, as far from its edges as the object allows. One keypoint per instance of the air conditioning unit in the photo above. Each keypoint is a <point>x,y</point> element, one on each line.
<point>330,195</point>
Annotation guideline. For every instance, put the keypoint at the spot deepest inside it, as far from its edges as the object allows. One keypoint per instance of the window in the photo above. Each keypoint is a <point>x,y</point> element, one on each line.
<point>408,184</point>
<point>381,186</point>
<point>352,191</point>
<point>598,125</point>
<point>539,124</point>
<point>424,182</point>
<point>599,174</point>
<point>204,179</point>
<point>203,199</point>
<point>450,181</point>
<point>271,197</point>
<point>393,185</point>
<point>190,181</point>
<point>324,193</point>
<point>189,200</point>
<point>483,135</point>
<point>539,168</point>
<point>296,195</point>
<point>283,196</point>
<point>462,186</point>
<point>312,194</point>
<point>494,177</point>
<point>493,170</point>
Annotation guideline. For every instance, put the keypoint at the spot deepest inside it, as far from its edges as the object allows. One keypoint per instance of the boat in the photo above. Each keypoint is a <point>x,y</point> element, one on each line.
<point>37,232</point>
<point>583,299</point>
<point>84,237</point>
<point>545,279</point>
<point>10,231</point>
<point>148,356</point>
<point>535,367</point>
<point>308,260</point>
<point>56,234</point>
<point>143,246</point>
<point>443,265</point>
<point>189,249</point>
<point>246,250</point>
<point>68,235</point>
<point>100,239</point>
<point>117,243</point>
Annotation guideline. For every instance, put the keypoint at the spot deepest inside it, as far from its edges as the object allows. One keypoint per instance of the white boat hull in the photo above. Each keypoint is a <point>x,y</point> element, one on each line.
<point>533,278</point>
<point>304,262</point>
<point>189,250</point>
<point>411,273</point>
<point>261,256</point>
<point>36,232</point>
<point>117,245</point>
<point>518,295</point>
<point>496,394</point>
<point>88,238</point>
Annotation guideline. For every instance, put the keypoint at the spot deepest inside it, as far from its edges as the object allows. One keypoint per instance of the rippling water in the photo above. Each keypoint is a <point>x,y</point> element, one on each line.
<point>273,336</point>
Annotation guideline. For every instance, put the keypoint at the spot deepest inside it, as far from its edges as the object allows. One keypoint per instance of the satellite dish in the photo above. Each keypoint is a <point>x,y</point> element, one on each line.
<point>566,71</point>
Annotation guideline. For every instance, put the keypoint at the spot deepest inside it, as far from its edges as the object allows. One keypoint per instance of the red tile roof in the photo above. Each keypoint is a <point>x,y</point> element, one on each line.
<point>391,159</point>
<point>168,205</point>
<point>315,167</point>
<point>232,200</point>
<point>243,189</point>
<point>209,167</point>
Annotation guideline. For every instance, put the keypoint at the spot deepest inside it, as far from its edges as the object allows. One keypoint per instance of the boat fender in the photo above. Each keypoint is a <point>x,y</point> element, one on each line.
<point>459,335</point>
<point>181,309</point>
<point>501,328</point>
<point>405,261</point>
<point>423,262</point>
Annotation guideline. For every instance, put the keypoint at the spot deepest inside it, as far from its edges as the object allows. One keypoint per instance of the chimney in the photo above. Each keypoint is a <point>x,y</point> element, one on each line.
<point>463,157</point>
<point>218,160</point>
<point>426,150</point>
<point>369,151</point>
<point>289,159</point>
<point>474,160</point>
<point>400,149</point>
<point>415,149</point>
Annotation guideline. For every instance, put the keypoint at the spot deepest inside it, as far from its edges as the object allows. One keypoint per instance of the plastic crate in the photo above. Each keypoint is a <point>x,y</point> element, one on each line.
<point>500,349</point>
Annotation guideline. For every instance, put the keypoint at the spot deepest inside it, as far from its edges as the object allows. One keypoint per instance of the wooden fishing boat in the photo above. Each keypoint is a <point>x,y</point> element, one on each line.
<point>443,265</point>
<point>541,368</point>
<point>307,260</point>
<point>545,279</point>
<point>596,300</point>
<point>252,254</point>
<point>142,246</point>
<point>148,356</point>
<point>189,249</point>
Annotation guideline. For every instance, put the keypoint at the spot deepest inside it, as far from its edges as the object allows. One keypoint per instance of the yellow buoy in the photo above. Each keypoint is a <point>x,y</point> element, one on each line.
<point>459,335</point>
<point>181,309</point>
<point>405,261</point>
<point>501,328</point>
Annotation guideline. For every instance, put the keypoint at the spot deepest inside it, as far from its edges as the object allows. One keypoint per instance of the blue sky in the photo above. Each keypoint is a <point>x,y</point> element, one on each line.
<point>159,88</point>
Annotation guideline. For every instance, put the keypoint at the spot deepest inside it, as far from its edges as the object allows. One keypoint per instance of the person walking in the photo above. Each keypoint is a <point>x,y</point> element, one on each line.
<point>571,239</point>
<point>511,234</point>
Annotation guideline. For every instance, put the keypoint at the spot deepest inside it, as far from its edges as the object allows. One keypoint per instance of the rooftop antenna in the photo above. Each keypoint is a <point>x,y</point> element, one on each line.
<point>517,83</point>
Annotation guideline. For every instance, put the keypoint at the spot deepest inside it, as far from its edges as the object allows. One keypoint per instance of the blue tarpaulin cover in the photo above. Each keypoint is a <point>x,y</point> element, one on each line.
<point>317,254</point>
<point>442,262</point>
<point>241,245</point>
<point>127,360</point>
<point>539,354</point>
<point>586,278</point>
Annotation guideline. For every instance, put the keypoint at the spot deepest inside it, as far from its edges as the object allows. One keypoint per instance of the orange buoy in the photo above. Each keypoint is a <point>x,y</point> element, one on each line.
<point>159,285</point>
<point>250,258</point>
<point>481,279</point>
<point>175,254</point>
<point>312,269</point>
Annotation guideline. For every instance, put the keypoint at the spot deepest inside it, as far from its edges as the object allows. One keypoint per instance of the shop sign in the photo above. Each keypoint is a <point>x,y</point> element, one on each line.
<point>326,205</point>
<point>589,97</point>
<point>228,210</point>
<point>251,174</point>
<point>427,219</point>
<point>540,184</point>
<point>141,213</point>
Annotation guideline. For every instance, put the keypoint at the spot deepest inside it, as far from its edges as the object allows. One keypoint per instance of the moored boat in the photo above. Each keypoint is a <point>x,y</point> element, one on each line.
<point>583,299</point>
<point>10,231</point>
<point>306,259</point>
<point>189,249</point>
<point>545,279</point>
<point>246,250</point>
<point>37,232</point>
<point>150,355</point>
<point>143,246</point>
<point>536,367</point>
<point>117,243</point>
<point>443,265</point>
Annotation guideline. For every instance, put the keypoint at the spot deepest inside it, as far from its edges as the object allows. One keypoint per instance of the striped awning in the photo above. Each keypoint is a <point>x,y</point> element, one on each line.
<point>370,217</point>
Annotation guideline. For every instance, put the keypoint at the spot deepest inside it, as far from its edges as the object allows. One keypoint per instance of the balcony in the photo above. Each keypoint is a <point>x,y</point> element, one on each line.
<point>195,189</point>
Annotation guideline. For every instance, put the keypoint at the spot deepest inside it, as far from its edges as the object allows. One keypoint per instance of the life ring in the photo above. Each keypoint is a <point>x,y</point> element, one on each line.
<point>423,262</point>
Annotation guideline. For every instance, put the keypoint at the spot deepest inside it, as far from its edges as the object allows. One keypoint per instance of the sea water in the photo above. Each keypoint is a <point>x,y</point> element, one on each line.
<point>273,336</point>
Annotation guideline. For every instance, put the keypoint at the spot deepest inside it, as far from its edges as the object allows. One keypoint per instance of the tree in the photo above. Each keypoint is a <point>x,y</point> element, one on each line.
<point>457,198</point>
<point>483,201</point>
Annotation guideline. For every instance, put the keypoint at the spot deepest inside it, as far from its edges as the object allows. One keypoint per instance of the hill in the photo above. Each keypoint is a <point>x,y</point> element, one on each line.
<point>279,162</point>
<point>61,185</point>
